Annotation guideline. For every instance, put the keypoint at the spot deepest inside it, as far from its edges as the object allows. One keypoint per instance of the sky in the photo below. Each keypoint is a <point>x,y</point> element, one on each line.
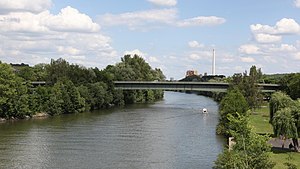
<point>173,35</point>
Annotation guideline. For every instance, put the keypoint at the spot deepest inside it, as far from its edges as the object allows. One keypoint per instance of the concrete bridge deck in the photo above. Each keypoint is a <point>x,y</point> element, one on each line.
<point>192,86</point>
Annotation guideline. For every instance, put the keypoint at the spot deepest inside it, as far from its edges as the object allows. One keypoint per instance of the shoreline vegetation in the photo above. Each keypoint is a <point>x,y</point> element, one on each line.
<point>250,121</point>
<point>71,88</point>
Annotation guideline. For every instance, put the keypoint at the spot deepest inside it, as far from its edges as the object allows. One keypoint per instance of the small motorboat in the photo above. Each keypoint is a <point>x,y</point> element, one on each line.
<point>204,111</point>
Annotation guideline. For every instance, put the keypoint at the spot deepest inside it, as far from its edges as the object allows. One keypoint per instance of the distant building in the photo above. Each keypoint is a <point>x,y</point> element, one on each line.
<point>191,73</point>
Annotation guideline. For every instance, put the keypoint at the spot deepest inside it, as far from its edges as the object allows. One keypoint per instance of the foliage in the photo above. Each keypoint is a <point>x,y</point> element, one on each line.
<point>284,124</point>
<point>134,68</point>
<point>248,86</point>
<point>233,102</point>
<point>278,101</point>
<point>13,94</point>
<point>291,85</point>
<point>72,88</point>
<point>284,117</point>
<point>290,165</point>
<point>250,149</point>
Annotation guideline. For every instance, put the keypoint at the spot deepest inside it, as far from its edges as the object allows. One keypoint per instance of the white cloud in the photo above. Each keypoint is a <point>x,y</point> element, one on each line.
<point>273,34</point>
<point>287,26</point>
<point>68,50</point>
<point>153,59</point>
<point>164,2</point>
<point>36,37</point>
<point>259,28</point>
<point>239,69</point>
<point>201,21</point>
<point>247,59</point>
<point>267,38</point>
<point>195,44</point>
<point>139,19</point>
<point>195,56</point>
<point>35,6</point>
<point>297,56</point>
<point>155,18</point>
<point>227,58</point>
<point>70,19</point>
<point>270,59</point>
<point>284,48</point>
<point>297,3</point>
<point>284,26</point>
<point>249,49</point>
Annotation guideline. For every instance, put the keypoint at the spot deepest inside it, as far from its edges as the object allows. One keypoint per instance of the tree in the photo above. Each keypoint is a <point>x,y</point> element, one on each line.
<point>284,117</point>
<point>57,70</point>
<point>248,86</point>
<point>284,124</point>
<point>296,116</point>
<point>134,68</point>
<point>72,101</point>
<point>278,101</point>
<point>290,84</point>
<point>13,94</point>
<point>55,101</point>
<point>294,86</point>
<point>233,102</point>
<point>250,150</point>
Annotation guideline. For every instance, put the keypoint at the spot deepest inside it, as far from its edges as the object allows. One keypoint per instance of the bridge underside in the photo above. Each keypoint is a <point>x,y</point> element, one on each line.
<point>187,86</point>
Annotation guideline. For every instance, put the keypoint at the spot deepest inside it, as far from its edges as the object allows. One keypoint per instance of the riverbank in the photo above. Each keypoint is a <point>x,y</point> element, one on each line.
<point>259,119</point>
<point>40,115</point>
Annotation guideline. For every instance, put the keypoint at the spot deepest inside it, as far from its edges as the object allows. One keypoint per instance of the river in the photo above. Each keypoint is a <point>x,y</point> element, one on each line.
<point>172,133</point>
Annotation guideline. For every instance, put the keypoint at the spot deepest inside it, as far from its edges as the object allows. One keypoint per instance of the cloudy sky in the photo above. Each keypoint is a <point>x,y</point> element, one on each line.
<point>174,35</point>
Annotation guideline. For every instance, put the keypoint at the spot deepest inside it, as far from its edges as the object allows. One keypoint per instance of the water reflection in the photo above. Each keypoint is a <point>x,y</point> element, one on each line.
<point>172,133</point>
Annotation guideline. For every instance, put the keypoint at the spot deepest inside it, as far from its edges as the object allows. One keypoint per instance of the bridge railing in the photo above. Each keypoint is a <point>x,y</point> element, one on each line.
<point>194,86</point>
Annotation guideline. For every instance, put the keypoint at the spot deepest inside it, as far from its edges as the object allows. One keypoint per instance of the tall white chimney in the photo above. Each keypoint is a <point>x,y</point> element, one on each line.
<point>214,63</point>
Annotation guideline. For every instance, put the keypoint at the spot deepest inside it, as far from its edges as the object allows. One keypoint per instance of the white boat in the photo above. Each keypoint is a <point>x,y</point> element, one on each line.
<point>204,110</point>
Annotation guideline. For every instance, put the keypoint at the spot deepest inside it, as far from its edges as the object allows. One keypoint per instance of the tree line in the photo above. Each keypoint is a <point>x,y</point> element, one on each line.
<point>72,88</point>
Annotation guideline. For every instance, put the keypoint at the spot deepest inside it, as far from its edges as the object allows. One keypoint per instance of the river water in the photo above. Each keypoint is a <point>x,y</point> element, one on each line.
<point>172,133</point>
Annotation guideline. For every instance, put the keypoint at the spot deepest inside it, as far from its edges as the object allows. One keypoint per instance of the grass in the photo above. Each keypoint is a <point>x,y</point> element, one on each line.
<point>281,156</point>
<point>259,119</point>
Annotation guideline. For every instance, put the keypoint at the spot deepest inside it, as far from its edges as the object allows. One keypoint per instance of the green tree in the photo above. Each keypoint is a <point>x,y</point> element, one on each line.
<point>296,116</point>
<point>55,101</point>
<point>284,124</point>
<point>248,86</point>
<point>13,94</point>
<point>278,101</point>
<point>98,92</point>
<point>134,68</point>
<point>232,102</point>
<point>294,86</point>
<point>250,150</point>
<point>85,93</point>
<point>72,101</point>
<point>284,117</point>
<point>290,84</point>
<point>21,101</point>
<point>57,70</point>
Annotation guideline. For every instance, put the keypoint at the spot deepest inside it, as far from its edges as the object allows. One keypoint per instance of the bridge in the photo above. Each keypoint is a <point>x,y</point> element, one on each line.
<point>192,86</point>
